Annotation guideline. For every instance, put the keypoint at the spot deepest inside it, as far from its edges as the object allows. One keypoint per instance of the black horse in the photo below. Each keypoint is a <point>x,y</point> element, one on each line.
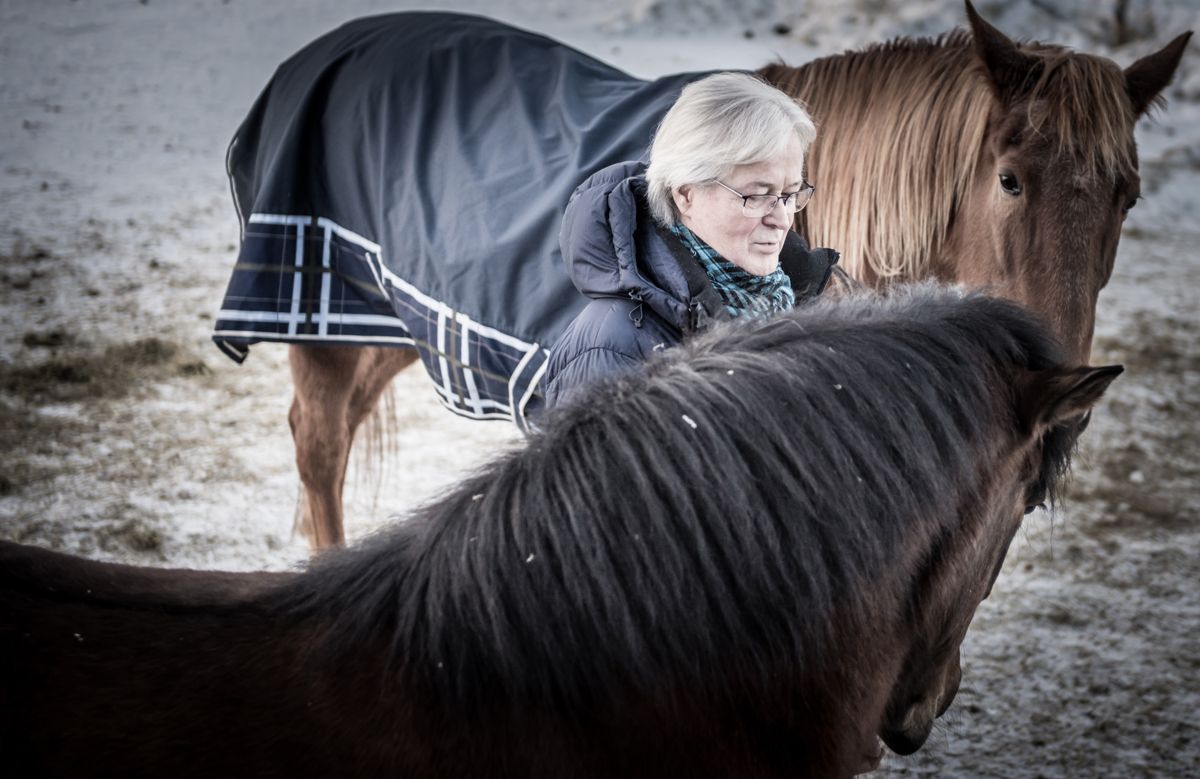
<point>751,559</point>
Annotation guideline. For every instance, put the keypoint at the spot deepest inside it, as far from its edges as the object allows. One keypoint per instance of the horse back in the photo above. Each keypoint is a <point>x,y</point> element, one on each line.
<point>108,669</point>
<point>54,576</point>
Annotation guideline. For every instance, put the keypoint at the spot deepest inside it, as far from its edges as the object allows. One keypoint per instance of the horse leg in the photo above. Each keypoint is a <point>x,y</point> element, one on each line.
<point>335,389</point>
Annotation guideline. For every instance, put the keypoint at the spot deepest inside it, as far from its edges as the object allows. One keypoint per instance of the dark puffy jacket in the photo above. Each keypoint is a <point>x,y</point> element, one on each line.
<point>647,291</point>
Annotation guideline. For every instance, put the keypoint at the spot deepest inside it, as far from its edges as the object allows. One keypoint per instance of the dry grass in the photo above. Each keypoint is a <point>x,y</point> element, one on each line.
<point>114,371</point>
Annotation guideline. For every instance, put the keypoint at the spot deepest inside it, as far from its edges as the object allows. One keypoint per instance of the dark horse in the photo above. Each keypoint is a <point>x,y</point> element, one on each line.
<point>969,158</point>
<point>751,560</point>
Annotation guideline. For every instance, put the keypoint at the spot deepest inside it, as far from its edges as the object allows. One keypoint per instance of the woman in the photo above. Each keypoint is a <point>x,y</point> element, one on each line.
<point>701,234</point>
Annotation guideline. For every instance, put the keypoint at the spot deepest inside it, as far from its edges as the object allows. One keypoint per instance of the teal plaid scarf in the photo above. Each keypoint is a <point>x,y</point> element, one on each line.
<point>743,294</point>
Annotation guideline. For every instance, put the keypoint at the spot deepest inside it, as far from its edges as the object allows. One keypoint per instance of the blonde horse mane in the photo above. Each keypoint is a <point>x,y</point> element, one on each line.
<point>901,127</point>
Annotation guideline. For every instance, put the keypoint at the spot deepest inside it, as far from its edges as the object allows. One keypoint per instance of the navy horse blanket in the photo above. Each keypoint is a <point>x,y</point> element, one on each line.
<point>401,182</point>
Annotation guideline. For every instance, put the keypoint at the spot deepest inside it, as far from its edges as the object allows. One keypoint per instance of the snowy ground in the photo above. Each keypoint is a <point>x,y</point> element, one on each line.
<point>125,435</point>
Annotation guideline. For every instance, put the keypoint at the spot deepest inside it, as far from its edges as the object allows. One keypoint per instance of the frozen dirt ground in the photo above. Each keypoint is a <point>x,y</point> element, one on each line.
<point>125,435</point>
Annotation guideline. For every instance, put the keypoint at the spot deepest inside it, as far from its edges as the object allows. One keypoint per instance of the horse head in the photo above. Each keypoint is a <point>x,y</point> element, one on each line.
<point>1055,177</point>
<point>962,567</point>
<point>973,159</point>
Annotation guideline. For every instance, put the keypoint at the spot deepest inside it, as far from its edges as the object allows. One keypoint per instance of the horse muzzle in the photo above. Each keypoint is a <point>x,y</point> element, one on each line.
<point>907,738</point>
<point>913,729</point>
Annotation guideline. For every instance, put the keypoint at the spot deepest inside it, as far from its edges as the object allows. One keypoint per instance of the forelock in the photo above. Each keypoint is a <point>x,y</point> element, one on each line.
<point>1082,101</point>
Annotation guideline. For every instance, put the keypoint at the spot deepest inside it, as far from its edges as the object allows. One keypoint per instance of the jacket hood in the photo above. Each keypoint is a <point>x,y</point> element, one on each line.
<point>611,248</point>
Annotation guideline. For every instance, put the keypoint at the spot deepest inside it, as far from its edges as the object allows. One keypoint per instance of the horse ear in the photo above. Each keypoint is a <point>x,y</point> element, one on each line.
<point>1054,396</point>
<point>1012,72</point>
<point>1148,77</point>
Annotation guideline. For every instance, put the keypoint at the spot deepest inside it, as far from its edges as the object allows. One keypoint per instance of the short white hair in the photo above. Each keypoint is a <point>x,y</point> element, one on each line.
<point>718,123</point>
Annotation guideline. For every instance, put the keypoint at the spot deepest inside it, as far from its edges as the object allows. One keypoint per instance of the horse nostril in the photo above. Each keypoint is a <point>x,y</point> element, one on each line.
<point>909,733</point>
<point>948,698</point>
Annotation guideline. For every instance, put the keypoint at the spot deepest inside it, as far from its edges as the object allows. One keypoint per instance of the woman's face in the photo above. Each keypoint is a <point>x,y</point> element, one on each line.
<point>715,214</point>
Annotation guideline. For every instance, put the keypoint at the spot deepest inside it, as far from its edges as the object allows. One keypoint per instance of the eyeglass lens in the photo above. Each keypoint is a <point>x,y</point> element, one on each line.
<point>761,205</point>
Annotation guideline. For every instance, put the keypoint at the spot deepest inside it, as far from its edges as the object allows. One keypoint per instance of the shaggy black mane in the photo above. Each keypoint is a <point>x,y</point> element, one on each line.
<point>632,542</point>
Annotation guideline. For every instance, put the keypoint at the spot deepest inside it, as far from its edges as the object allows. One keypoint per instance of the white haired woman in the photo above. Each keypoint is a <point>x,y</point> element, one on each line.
<point>703,233</point>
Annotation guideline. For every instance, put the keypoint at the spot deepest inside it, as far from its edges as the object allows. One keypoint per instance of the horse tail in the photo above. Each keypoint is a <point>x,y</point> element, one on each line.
<point>379,441</point>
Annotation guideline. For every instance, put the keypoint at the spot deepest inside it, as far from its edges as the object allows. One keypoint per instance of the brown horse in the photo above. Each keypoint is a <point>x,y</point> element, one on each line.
<point>969,158</point>
<point>751,560</point>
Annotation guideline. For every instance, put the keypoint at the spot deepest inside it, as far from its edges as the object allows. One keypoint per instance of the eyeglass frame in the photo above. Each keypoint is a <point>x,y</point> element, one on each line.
<point>776,199</point>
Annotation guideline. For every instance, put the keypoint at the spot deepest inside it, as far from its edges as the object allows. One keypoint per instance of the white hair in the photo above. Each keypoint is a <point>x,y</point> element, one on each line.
<point>718,123</point>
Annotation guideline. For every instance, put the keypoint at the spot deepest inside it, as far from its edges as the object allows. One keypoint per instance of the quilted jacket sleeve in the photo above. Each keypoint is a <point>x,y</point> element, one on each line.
<point>609,337</point>
<point>584,368</point>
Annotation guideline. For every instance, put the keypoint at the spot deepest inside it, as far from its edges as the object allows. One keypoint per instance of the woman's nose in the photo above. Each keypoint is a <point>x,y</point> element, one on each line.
<point>779,216</point>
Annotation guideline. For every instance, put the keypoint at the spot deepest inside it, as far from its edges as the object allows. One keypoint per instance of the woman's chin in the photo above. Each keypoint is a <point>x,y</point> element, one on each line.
<point>760,263</point>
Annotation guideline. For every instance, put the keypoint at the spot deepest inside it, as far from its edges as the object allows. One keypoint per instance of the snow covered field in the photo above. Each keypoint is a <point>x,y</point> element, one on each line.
<point>125,435</point>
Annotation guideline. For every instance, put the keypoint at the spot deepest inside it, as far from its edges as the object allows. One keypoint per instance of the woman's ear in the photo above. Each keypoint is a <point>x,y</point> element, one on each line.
<point>683,198</point>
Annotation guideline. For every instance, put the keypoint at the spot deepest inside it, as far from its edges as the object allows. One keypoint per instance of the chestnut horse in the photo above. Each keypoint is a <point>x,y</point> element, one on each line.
<point>969,159</point>
<point>751,560</point>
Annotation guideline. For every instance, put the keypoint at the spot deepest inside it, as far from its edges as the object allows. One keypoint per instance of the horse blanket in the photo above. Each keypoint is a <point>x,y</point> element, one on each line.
<point>400,182</point>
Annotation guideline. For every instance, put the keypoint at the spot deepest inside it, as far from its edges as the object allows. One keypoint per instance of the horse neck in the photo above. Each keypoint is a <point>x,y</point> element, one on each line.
<point>900,134</point>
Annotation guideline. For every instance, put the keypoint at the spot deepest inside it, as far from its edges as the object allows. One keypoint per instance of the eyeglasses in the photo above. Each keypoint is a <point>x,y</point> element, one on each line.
<point>761,205</point>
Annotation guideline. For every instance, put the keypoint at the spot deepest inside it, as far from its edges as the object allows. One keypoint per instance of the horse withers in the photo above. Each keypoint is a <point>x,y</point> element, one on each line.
<point>753,559</point>
<point>429,230</point>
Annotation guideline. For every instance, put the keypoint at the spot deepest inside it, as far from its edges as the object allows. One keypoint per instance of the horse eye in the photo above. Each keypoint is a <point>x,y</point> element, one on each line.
<point>1010,185</point>
<point>1129,204</point>
<point>1035,498</point>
